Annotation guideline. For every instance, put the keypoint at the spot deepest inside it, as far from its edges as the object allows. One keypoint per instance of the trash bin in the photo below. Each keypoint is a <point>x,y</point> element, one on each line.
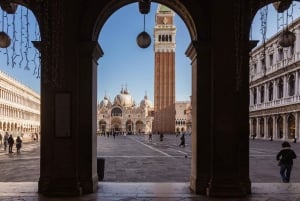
<point>100,168</point>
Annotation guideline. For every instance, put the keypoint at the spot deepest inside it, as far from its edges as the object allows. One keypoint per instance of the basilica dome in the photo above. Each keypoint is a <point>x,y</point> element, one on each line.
<point>146,103</point>
<point>124,99</point>
<point>105,102</point>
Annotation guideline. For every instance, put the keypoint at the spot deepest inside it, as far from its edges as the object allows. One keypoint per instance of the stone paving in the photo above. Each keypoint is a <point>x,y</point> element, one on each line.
<point>146,165</point>
<point>134,158</point>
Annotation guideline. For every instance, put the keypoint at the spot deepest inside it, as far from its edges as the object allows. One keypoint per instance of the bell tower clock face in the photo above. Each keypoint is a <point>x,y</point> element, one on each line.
<point>165,20</point>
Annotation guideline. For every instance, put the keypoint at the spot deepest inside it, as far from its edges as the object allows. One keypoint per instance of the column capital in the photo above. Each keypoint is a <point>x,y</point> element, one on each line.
<point>195,47</point>
<point>91,48</point>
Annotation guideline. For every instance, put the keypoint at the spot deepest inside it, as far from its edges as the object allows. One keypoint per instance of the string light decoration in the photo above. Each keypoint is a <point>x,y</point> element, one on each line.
<point>263,30</point>
<point>18,49</point>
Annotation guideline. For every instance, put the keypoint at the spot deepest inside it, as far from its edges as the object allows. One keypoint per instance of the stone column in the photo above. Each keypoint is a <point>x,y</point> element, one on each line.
<point>265,127</point>
<point>297,83</point>
<point>200,54</point>
<point>250,127</point>
<point>229,109</point>
<point>297,125</point>
<point>285,130</point>
<point>275,127</point>
<point>285,86</point>
<point>86,122</point>
<point>274,90</point>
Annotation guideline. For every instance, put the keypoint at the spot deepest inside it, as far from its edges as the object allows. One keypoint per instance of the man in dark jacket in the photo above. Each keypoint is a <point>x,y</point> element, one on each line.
<point>285,158</point>
<point>11,142</point>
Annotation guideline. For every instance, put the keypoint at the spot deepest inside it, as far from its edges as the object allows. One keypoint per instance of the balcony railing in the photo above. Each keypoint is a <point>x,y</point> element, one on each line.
<point>275,103</point>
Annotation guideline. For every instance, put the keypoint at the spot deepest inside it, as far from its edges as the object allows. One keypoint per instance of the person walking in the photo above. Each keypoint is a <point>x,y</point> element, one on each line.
<point>285,157</point>
<point>5,139</point>
<point>182,140</point>
<point>150,137</point>
<point>18,144</point>
<point>11,142</point>
<point>161,137</point>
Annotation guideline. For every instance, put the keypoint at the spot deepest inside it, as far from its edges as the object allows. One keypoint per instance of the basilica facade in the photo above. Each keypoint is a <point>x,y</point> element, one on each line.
<point>124,116</point>
<point>274,88</point>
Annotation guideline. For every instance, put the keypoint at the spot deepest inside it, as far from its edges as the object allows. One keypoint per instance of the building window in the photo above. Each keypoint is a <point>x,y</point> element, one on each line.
<point>271,59</point>
<point>263,64</point>
<point>254,96</point>
<point>280,88</point>
<point>262,94</point>
<point>292,85</point>
<point>280,54</point>
<point>270,91</point>
<point>292,50</point>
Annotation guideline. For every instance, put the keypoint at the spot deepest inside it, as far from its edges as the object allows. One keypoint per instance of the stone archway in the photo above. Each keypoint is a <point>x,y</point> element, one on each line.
<point>220,149</point>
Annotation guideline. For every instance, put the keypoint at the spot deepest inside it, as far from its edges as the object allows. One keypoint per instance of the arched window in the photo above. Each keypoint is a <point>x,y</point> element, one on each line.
<point>291,85</point>
<point>262,94</point>
<point>280,127</point>
<point>159,38</point>
<point>262,127</point>
<point>270,91</point>
<point>170,37</point>
<point>116,112</point>
<point>270,127</point>
<point>254,127</point>
<point>280,88</point>
<point>254,95</point>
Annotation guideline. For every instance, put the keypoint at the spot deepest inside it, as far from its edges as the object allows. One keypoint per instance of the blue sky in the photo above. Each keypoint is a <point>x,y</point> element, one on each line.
<point>123,62</point>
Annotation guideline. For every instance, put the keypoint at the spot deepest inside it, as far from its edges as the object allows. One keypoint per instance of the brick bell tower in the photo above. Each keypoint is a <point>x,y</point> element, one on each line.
<point>164,73</point>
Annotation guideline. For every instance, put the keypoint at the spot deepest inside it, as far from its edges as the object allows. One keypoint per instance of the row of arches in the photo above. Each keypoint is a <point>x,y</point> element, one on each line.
<point>20,127</point>
<point>116,125</point>
<point>274,127</point>
<point>276,89</point>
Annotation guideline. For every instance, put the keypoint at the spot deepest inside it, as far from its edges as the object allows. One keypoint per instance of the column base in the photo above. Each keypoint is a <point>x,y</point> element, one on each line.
<point>59,187</point>
<point>227,189</point>
<point>199,185</point>
<point>89,186</point>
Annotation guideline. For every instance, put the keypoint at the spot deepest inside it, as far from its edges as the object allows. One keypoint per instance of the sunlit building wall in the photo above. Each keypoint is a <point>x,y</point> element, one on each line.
<point>19,107</point>
<point>274,93</point>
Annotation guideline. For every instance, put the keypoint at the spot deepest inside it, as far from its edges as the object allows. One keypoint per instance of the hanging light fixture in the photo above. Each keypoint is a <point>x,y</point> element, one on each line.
<point>286,38</point>
<point>283,5</point>
<point>144,6</point>
<point>4,40</point>
<point>143,39</point>
<point>8,7</point>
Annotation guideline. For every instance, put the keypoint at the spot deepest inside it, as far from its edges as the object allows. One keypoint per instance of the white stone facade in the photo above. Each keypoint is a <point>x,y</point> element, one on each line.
<point>19,108</point>
<point>274,89</point>
<point>181,117</point>
<point>123,116</point>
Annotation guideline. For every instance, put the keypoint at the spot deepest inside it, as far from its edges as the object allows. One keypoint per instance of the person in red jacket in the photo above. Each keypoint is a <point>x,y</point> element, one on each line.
<point>285,157</point>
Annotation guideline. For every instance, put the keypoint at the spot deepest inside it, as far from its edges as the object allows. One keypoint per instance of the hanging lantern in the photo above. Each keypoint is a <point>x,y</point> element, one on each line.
<point>286,38</point>
<point>144,6</point>
<point>8,7</point>
<point>143,40</point>
<point>283,5</point>
<point>4,40</point>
